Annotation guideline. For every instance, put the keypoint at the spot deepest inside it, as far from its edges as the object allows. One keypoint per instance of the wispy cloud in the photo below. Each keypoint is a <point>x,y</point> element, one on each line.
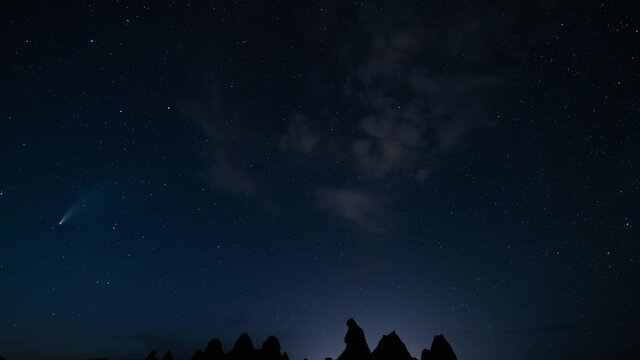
<point>300,136</point>
<point>223,170</point>
<point>401,107</point>
<point>414,112</point>
<point>362,208</point>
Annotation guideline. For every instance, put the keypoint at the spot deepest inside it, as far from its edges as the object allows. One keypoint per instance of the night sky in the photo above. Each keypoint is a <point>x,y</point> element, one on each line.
<point>176,171</point>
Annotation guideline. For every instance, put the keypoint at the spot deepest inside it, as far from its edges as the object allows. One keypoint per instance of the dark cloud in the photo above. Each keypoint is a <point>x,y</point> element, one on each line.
<point>401,109</point>
<point>300,136</point>
<point>360,207</point>
<point>458,105</point>
<point>223,170</point>
<point>229,177</point>
<point>389,55</point>
<point>414,111</point>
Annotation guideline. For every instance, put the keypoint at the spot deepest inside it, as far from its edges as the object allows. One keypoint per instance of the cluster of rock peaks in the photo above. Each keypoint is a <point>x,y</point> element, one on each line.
<point>390,347</point>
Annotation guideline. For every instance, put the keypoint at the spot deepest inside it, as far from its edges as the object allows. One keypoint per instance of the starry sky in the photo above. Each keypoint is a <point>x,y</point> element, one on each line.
<point>175,171</point>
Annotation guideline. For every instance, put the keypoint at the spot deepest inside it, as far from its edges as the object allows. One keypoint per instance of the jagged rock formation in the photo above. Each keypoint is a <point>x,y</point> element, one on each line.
<point>426,354</point>
<point>270,349</point>
<point>357,347</point>
<point>152,356</point>
<point>199,355</point>
<point>390,347</point>
<point>214,350</point>
<point>243,349</point>
<point>440,350</point>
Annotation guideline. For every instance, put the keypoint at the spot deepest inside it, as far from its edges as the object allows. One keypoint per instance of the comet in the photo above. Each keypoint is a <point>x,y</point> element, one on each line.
<point>65,218</point>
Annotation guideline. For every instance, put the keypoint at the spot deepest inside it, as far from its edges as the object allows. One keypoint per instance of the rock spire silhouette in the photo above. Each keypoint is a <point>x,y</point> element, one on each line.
<point>357,347</point>
<point>440,350</point>
<point>391,347</point>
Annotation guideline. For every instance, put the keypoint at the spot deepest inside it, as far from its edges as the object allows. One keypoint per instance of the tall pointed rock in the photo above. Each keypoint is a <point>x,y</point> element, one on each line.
<point>167,355</point>
<point>270,349</point>
<point>199,355</point>
<point>391,347</point>
<point>357,348</point>
<point>440,350</point>
<point>243,349</point>
<point>152,356</point>
<point>213,351</point>
<point>426,355</point>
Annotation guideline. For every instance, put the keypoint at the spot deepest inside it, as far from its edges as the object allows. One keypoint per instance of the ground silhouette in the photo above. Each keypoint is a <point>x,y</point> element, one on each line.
<point>390,347</point>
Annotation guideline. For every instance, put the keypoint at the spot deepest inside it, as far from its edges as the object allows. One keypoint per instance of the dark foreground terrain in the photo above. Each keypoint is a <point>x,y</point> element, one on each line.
<point>390,347</point>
